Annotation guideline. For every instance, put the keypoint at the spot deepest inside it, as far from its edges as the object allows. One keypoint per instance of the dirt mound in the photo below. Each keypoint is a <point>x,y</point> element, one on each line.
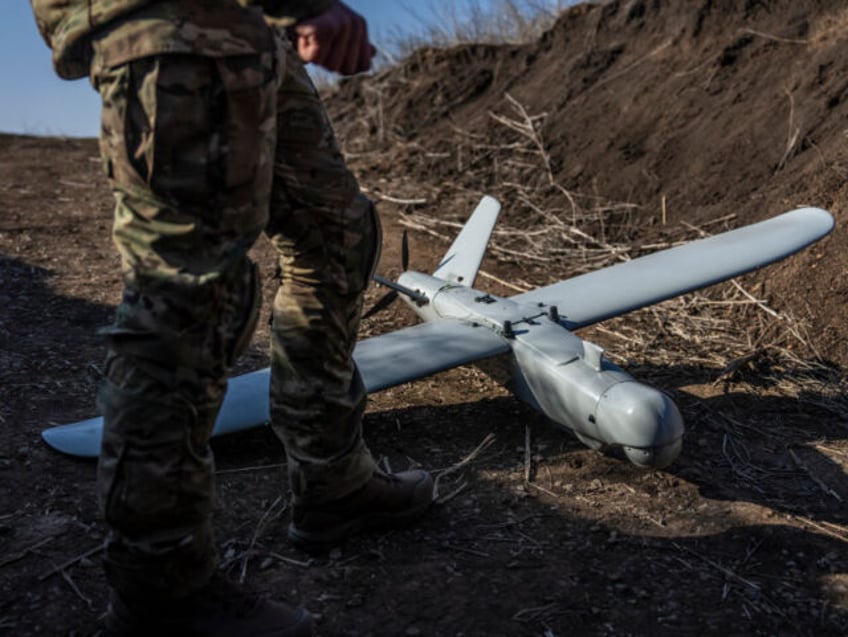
<point>684,110</point>
<point>629,127</point>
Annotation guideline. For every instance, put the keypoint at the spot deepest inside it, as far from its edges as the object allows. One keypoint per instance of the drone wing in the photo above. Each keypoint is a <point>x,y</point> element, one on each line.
<point>424,349</point>
<point>462,260</point>
<point>602,294</point>
<point>384,361</point>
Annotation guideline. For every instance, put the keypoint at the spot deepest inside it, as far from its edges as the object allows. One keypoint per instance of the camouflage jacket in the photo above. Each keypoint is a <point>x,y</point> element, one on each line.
<point>122,30</point>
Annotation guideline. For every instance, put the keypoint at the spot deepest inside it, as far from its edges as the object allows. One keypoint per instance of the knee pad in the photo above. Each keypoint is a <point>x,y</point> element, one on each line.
<point>364,251</point>
<point>376,240</point>
<point>250,287</point>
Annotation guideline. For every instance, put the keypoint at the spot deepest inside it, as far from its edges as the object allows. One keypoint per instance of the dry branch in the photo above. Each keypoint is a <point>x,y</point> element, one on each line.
<point>19,555</point>
<point>815,478</point>
<point>441,473</point>
<point>89,553</point>
<point>269,515</point>
<point>261,467</point>
<point>86,600</point>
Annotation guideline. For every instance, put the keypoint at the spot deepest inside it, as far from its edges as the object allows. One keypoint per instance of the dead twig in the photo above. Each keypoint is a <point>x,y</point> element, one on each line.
<point>518,288</point>
<point>86,600</point>
<point>828,528</point>
<point>14,557</point>
<point>760,304</point>
<point>533,614</point>
<point>462,549</point>
<point>441,473</point>
<point>723,569</point>
<point>267,516</point>
<point>528,466</point>
<point>626,70</point>
<point>485,444</point>
<point>398,200</point>
<point>441,499</point>
<point>539,487</point>
<point>773,38</point>
<point>821,483</point>
<point>261,467</point>
<point>290,561</point>
<point>89,553</point>
<point>792,134</point>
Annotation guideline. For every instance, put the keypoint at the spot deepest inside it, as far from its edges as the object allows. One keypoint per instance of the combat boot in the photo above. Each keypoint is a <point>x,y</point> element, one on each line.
<point>386,501</point>
<point>219,609</point>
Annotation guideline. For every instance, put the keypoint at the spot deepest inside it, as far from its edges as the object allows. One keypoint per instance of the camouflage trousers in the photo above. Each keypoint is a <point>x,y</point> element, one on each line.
<point>204,154</point>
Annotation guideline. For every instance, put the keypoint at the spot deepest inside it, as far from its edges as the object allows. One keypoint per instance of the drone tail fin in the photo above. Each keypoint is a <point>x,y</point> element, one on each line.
<point>462,261</point>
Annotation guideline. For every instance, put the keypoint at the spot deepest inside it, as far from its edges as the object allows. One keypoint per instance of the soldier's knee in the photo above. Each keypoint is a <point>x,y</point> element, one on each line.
<point>199,326</point>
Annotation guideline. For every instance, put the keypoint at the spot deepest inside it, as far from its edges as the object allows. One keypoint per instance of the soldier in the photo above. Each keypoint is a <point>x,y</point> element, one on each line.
<point>211,134</point>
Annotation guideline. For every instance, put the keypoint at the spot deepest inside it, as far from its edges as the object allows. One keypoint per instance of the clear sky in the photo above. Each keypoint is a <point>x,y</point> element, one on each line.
<point>34,101</point>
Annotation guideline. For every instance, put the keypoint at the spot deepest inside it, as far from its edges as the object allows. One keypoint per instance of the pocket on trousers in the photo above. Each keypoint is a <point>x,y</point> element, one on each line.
<point>249,93</point>
<point>142,493</point>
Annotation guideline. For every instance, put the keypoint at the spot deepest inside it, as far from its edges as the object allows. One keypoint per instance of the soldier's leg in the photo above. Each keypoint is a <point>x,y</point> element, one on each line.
<point>327,239</point>
<point>327,235</point>
<point>186,146</point>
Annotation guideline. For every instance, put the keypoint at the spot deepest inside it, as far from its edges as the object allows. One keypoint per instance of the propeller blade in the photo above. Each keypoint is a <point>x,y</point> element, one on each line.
<point>389,298</point>
<point>404,251</point>
<point>381,304</point>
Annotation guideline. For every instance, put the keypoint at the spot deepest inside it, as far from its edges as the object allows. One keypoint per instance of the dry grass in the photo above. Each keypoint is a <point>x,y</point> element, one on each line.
<point>473,21</point>
<point>450,23</point>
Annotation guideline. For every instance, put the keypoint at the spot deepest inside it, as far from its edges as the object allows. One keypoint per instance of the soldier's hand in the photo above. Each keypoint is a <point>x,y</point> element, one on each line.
<point>337,40</point>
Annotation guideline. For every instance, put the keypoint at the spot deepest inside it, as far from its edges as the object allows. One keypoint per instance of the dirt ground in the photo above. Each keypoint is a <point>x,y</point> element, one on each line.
<point>629,127</point>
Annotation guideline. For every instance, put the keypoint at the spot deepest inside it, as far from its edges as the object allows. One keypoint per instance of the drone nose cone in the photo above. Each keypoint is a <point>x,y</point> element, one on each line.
<point>643,421</point>
<point>654,457</point>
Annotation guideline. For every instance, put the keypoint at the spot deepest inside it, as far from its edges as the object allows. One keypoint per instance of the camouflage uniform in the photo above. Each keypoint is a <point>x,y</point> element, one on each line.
<point>212,133</point>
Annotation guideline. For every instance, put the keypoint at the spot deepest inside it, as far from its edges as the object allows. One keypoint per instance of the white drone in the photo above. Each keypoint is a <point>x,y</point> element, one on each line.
<point>558,373</point>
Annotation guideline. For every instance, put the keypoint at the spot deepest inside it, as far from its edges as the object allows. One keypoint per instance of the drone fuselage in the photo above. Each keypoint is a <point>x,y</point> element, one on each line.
<point>558,373</point>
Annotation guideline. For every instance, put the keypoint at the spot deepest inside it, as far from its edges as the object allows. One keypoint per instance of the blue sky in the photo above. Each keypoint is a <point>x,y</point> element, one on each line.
<point>36,102</point>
